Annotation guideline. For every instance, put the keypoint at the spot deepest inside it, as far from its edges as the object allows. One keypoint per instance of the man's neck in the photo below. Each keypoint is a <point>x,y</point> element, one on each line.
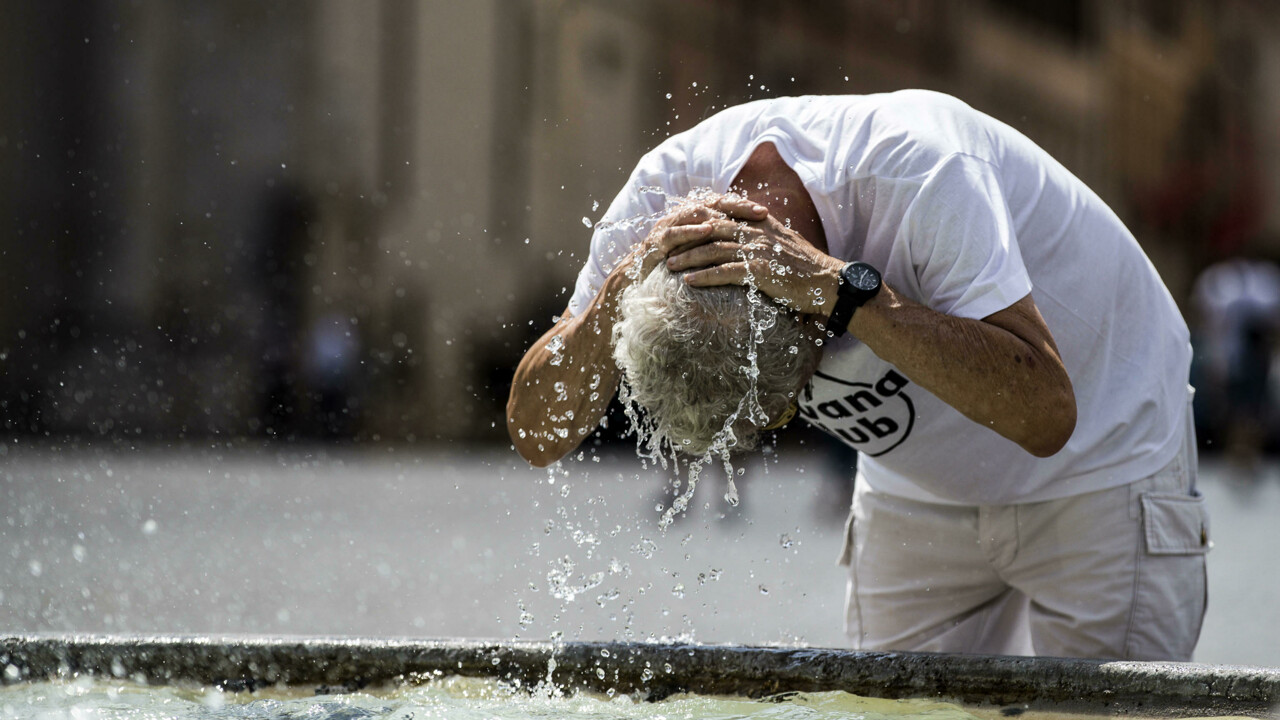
<point>766,179</point>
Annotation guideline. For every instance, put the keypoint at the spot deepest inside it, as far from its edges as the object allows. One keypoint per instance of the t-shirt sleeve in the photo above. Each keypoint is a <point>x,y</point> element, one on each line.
<point>660,176</point>
<point>623,226</point>
<point>962,241</point>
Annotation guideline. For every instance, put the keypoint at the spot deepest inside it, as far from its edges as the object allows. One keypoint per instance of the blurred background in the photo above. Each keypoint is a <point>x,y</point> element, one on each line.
<point>311,230</point>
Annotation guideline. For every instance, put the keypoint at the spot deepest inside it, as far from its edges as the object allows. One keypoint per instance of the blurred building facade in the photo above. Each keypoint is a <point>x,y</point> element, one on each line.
<point>326,218</point>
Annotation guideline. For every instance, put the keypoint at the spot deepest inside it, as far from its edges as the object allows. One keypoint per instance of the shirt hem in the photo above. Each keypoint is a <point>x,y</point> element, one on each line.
<point>1107,478</point>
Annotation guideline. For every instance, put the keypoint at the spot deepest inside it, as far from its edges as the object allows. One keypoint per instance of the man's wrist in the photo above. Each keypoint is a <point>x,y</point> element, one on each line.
<point>826,285</point>
<point>859,284</point>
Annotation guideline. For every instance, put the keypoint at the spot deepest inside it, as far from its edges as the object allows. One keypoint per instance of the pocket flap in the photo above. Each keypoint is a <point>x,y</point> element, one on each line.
<point>1175,524</point>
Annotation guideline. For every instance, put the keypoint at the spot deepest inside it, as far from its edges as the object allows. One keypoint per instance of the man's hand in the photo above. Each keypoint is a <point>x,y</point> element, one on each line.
<point>778,260</point>
<point>563,385</point>
<point>690,225</point>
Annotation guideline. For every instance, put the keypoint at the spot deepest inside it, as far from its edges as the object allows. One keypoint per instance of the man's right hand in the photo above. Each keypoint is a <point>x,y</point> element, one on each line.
<point>690,225</point>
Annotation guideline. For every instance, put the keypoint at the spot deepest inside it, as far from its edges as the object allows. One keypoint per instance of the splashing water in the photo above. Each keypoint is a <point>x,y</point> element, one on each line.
<point>651,445</point>
<point>555,346</point>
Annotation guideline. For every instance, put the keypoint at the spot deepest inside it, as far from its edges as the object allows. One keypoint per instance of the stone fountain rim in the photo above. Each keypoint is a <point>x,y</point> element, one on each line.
<point>653,670</point>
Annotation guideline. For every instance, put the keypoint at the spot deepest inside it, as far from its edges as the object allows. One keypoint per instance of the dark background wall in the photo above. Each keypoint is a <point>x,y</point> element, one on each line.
<point>295,219</point>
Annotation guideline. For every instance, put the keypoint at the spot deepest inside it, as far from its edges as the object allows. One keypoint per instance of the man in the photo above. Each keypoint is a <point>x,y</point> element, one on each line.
<point>1001,353</point>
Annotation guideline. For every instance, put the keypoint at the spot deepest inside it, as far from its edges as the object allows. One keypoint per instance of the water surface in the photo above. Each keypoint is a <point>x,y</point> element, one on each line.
<point>454,698</point>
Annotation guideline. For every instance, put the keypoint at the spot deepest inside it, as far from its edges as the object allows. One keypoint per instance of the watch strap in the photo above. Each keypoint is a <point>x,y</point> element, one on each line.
<point>841,314</point>
<point>849,298</point>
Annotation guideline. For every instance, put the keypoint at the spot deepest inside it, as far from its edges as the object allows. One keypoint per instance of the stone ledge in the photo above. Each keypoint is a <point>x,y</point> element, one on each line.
<point>655,670</point>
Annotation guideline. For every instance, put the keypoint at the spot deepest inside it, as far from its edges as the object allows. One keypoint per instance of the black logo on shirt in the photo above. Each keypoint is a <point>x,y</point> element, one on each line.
<point>873,418</point>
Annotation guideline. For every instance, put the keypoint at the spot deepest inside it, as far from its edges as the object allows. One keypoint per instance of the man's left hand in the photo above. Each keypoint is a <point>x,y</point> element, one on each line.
<point>776,259</point>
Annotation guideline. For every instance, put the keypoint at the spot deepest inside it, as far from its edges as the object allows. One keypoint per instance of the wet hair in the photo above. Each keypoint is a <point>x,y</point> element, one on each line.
<point>686,357</point>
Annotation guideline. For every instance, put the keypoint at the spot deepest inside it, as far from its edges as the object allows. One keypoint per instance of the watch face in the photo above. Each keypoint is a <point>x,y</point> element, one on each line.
<point>862,276</point>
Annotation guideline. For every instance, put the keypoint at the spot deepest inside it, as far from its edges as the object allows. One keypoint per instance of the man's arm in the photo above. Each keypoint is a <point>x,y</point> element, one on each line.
<point>1003,371</point>
<point>563,385</point>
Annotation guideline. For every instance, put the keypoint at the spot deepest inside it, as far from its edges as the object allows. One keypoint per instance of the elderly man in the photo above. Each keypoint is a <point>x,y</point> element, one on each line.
<point>997,347</point>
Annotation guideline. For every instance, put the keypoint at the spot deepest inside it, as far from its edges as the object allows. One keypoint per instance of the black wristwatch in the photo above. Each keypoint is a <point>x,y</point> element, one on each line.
<point>859,282</point>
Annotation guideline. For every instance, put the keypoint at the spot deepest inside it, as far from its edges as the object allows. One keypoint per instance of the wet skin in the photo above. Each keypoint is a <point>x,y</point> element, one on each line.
<point>1003,371</point>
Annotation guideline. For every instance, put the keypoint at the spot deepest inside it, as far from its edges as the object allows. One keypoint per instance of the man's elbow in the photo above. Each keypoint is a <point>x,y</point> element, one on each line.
<point>1053,428</point>
<point>538,459</point>
<point>533,450</point>
<point>529,446</point>
<point>537,448</point>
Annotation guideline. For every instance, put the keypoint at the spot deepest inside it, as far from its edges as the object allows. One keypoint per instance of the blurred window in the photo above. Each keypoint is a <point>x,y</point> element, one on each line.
<point>1068,19</point>
<point>1164,17</point>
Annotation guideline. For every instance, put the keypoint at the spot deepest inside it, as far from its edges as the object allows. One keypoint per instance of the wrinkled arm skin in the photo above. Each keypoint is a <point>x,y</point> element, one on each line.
<point>554,405</point>
<point>1003,371</point>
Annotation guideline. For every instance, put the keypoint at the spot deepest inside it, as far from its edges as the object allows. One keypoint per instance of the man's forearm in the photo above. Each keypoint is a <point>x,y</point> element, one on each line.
<point>1003,372</point>
<point>564,383</point>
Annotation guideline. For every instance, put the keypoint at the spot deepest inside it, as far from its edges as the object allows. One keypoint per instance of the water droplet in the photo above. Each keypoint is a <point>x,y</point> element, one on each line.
<point>645,548</point>
<point>555,346</point>
<point>731,493</point>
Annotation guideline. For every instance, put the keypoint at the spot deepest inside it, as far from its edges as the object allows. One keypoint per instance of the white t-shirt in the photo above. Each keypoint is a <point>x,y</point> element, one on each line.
<point>965,215</point>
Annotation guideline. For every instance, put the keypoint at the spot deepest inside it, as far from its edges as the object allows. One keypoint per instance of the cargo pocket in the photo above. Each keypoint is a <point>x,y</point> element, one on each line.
<point>1171,591</point>
<point>1175,524</point>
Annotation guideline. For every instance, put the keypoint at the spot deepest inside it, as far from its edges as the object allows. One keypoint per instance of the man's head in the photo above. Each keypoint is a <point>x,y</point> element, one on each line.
<point>686,356</point>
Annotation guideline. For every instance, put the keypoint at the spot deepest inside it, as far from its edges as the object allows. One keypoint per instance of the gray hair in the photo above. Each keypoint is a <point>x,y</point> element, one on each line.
<point>710,366</point>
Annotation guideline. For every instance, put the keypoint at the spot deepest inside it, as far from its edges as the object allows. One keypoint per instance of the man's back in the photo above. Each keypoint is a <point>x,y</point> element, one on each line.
<point>965,215</point>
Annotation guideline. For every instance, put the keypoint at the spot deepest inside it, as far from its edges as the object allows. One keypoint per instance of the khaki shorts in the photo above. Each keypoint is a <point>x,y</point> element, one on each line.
<point>1116,573</point>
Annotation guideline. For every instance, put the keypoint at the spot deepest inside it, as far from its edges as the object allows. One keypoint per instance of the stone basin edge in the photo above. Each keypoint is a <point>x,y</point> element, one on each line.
<point>653,670</point>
